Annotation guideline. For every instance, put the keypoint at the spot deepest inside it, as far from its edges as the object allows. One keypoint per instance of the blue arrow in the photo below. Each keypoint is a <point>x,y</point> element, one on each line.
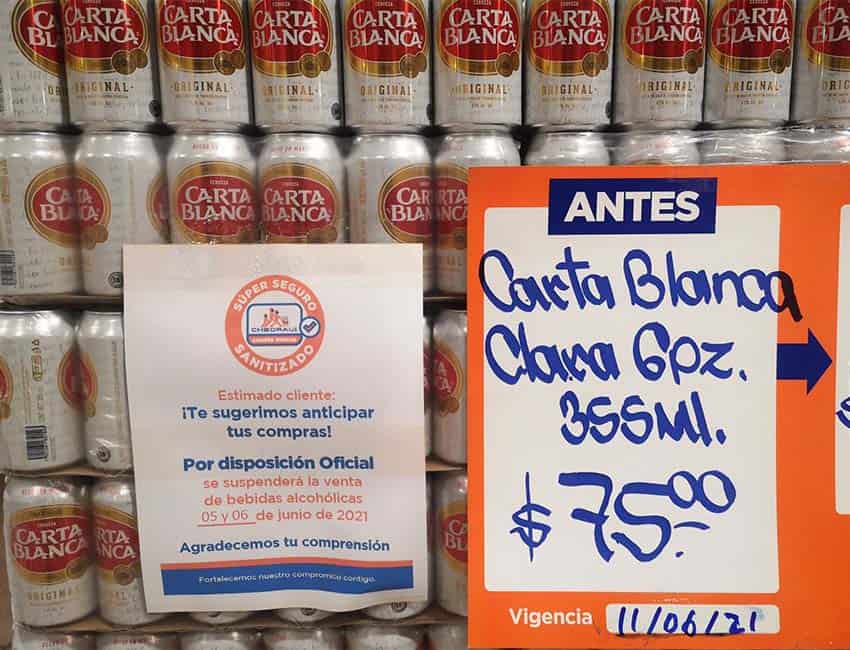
<point>802,361</point>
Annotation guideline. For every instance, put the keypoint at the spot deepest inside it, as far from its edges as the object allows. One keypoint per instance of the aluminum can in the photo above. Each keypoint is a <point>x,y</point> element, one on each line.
<point>103,388</point>
<point>427,380</point>
<point>301,189</point>
<point>448,636</point>
<point>126,641</point>
<point>373,637</point>
<point>750,146</point>
<point>450,386</point>
<point>660,62</point>
<point>390,194</point>
<point>307,638</point>
<point>478,70</point>
<point>563,148</point>
<point>657,148</point>
<point>387,63</point>
<point>211,188</point>
<point>122,198</point>
<point>818,145</point>
<point>821,87</point>
<point>296,64</point>
<point>39,230</point>
<point>116,542</point>
<point>110,57</point>
<point>48,535</point>
<point>233,640</point>
<point>569,63</point>
<point>219,618</point>
<point>457,155</point>
<point>203,63</point>
<point>40,419</point>
<point>450,531</point>
<point>27,639</point>
<point>302,614</point>
<point>748,81</point>
<point>32,66</point>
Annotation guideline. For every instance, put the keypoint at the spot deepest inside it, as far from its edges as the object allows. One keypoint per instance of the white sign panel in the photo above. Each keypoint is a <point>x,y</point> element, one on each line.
<point>276,406</point>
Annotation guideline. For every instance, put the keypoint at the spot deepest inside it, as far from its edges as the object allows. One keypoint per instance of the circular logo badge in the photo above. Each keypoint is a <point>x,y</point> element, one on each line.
<point>274,325</point>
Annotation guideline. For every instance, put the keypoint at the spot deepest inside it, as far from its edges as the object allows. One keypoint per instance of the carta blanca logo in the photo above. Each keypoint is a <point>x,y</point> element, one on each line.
<point>632,206</point>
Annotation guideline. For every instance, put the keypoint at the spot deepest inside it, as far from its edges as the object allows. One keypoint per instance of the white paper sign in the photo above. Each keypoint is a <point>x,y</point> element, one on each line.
<point>276,406</point>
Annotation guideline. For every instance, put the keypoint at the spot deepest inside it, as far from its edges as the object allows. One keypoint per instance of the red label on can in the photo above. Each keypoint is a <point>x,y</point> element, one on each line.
<point>404,204</point>
<point>93,208</point>
<point>291,37</point>
<point>427,365</point>
<point>202,35</point>
<point>448,380</point>
<point>752,35</point>
<point>50,544</point>
<point>300,203</point>
<point>569,37</point>
<point>665,35</point>
<point>74,379</point>
<point>157,205</point>
<point>452,204</point>
<point>480,37</point>
<point>387,37</point>
<point>49,206</point>
<point>7,389</point>
<point>116,540</point>
<point>453,535</point>
<point>105,35</point>
<point>37,33</point>
<point>827,39</point>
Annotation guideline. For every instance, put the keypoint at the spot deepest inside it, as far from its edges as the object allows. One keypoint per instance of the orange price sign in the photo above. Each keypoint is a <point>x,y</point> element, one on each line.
<point>659,407</point>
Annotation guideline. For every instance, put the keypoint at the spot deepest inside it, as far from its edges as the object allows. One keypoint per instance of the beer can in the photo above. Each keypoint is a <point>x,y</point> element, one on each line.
<point>127,641</point>
<point>231,640</point>
<point>390,194</point>
<point>116,537</point>
<point>750,146</point>
<point>821,88</point>
<point>660,62</point>
<point>302,614</point>
<point>457,155</point>
<point>295,63</point>
<point>27,639</point>
<point>374,637</point>
<point>49,550</point>
<point>565,148</point>
<point>478,73</point>
<point>387,63</point>
<point>122,198</point>
<point>569,63</point>
<point>450,386</point>
<point>39,231</point>
<point>40,420</point>
<point>450,529</point>
<point>301,187</point>
<point>219,618</point>
<point>748,81</point>
<point>203,63</point>
<point>305,638</point>
<point>447,636</point>
<point>657,148</point>
<point>110,57</point>
<point>32,66</point>
<point>211,184</point>
<point>427,381</point>
<point>818,145</point>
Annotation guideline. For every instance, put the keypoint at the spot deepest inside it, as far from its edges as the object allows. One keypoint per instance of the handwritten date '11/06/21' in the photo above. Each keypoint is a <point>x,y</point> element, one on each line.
<point>700,620</point>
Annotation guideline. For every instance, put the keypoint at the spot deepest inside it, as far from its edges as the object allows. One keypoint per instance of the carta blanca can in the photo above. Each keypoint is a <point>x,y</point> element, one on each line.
<point>478,76</point>
<point>308,638</point>
<point>657,148</point>
<point>749,68</point>
<point>569,63</point>
<point>40,419</point>
<point>296,64</point>
<point>817,145</point>
<point>122,198</point>
<point>109,62</point>
<point>32,66</point>
<point>451,532</point>
<point>116,536</point>
<point>39,229</point>
<point>660,62</point>
<point>28,639</point>
<point>459,153</point>
<point>49,550</point>
<point>566,148</point>
<point>219,618</point>
<point>103,387</point>
<point>211,183</point>
<point>301,189</point>
<point>389,180</point>
<point>450,382</point>
<point>374,637</point>
<point>427,381</point>
<point>302,614</point>
<point>387,63</point>
<point>130,641</point>
<point>749,146</point>
<point>203,59</point>
<point>821,88</point>
<point>220,641</point>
